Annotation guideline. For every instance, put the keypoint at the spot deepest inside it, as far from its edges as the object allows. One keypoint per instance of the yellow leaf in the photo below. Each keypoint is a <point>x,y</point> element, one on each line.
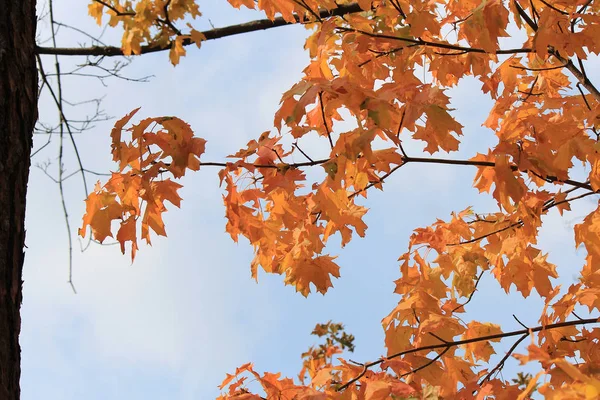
<point>95,11</point>
<point>197,37</point>
<point>361,181</point>
<point>177,50</point>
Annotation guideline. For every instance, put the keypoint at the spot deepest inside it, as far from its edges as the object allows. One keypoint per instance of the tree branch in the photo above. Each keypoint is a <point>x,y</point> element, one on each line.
<point>439,45</point>
<point>549,178</point>
<point>579,74</point>
<point>406,160</point>
<point>500,364</point>
<point>520,332</point>
<point>213,34</point>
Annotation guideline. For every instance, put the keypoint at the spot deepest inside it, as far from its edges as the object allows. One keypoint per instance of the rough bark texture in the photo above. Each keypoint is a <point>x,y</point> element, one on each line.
<point>18,113</point>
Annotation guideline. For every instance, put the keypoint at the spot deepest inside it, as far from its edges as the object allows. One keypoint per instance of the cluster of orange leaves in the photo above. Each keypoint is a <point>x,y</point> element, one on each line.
<point>145,22</point>
<point>367,64</point>
<point>135,193</point>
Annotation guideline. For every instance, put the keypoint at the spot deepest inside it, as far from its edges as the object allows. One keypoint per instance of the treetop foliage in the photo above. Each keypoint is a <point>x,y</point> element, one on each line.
<point>388,65</point>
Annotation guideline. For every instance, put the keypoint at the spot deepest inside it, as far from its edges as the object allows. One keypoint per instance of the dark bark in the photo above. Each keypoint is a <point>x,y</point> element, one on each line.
<point>18,113</point>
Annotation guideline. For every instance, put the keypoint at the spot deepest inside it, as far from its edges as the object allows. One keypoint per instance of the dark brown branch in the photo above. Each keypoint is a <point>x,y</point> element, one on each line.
<point>303,4</point>
<point>580,11</point>
<point>519,223</point>
<point>213,34</point>
<point>398,8</point>
<point>370,185</point>
<point>581,78</point>
<point>116,11</point>
<point>167,21</point>
<point>478,238</point>
<point>539,69</point>
<point>534,13</point>
<point>558,10</point>
<point>324,120</point>
<point>272,166</point>
<point>584,6</point>
<point>530,91</point>
<point>278,156</point>
<point>571,199</point>
<point>439,45</point>
<point>579,75</point>
<point>524,15</point>
<point>427,364</point>
<point>519,321</point>
<point>295,144</point>
<point>504,335</point>
<point>500,364</point>
<point>472,293</point>
<point>437,337</point>
<point>551,179</point>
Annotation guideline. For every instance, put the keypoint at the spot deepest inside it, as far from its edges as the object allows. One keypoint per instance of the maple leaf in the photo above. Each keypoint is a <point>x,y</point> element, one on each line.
<point>398,338</point>
<point>588,234</point>
<point>128,233</point>
<point>95,11</point>
<point>177,50</point>
<point>101,209</point>
<point>487,23</point>
<point>115,134</point>
<point>317,271</point>
<point>196,36</point>
<point>480,350</point>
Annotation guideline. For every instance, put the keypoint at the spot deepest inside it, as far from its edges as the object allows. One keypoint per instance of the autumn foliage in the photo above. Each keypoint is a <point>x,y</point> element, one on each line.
<point>388,67</point>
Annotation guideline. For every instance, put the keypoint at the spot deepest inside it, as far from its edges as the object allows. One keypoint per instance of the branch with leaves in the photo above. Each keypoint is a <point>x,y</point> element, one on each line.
<point>388,67</point>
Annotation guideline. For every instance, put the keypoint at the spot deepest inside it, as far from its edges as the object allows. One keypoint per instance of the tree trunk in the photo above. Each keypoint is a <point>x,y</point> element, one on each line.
<point>18,113</point>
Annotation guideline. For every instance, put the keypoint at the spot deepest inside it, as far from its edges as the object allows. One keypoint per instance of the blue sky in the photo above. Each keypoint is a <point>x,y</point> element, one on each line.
<point>187,312</point>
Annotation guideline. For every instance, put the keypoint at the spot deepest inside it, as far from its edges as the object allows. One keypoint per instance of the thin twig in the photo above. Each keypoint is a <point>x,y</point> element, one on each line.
<point>116,11</point>
<point>530,91</point>
<point>381,179</point>
<point>539,69</point>
<point>427,364</point>
<point>324,120</point>
<point>520,323</point>
<point>519,223</point>
<point>295,144</point>
<point>524,15</point>
<point>472,293</point>
<point>63,122</point>
<point>500,364</point>
<point>554,8</point>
